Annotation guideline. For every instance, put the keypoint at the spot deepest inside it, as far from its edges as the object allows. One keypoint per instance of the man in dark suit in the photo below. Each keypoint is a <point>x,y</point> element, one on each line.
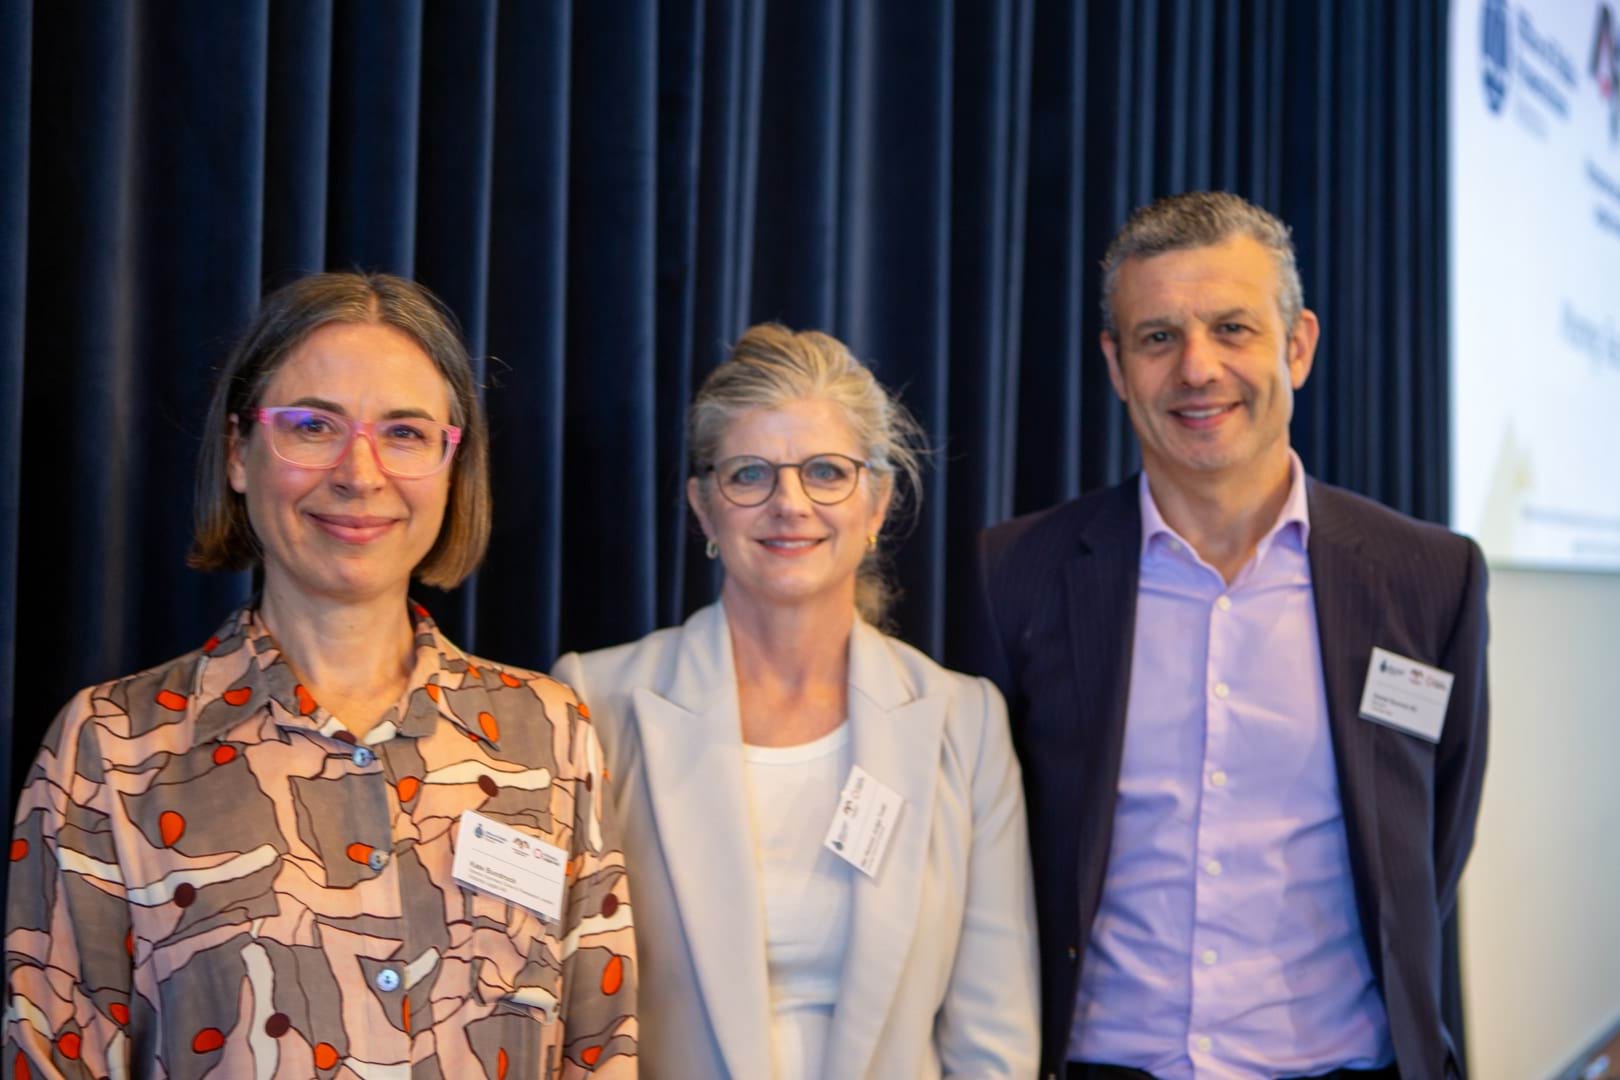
<point>1242,864</point>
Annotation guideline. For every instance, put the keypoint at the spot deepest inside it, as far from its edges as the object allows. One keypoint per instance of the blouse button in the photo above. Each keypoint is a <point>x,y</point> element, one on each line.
<point>388,980</point>
<point>377,860</point>
<point>362,756</point>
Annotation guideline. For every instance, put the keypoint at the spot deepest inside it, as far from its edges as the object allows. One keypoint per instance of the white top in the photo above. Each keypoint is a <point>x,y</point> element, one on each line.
<point>793,792</point>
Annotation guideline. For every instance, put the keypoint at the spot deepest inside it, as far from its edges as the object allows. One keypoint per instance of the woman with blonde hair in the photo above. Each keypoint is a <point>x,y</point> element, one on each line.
<point>824,828</point>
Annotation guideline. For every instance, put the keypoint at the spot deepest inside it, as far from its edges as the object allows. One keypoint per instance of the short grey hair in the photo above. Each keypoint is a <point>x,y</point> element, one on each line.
<point>1198,219</point>
<point>769,367</point>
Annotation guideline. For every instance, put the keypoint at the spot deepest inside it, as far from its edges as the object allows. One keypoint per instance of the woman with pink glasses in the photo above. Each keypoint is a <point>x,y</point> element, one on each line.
<point>263,858</point>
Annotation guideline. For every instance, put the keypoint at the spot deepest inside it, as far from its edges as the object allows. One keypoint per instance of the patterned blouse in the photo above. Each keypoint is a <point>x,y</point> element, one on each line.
<point>211,876</point>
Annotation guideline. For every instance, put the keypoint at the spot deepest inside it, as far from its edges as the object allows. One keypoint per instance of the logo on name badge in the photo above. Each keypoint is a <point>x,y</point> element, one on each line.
<point>492,858</point>
<point>1406,694</point>
<point>864,821</point>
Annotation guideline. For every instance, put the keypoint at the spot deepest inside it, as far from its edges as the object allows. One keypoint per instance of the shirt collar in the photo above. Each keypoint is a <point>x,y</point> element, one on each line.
<point>1295,512</point>
<point>242,671</point>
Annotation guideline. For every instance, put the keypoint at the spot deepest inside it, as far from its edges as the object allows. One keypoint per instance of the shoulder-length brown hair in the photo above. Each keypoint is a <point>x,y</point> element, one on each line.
<point>223,537</point>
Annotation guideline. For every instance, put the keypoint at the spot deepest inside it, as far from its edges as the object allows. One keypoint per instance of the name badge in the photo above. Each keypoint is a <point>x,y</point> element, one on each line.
<point>1406,694</point>
<point>497,859</point>
<point>863,824</point>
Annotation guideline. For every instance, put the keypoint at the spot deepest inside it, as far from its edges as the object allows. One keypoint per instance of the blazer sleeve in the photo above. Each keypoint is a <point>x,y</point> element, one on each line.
<point>1460,760</point>
<point>989,1023</point>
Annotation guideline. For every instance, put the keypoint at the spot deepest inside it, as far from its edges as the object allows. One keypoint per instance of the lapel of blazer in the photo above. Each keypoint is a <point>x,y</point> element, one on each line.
<point>896,736</point>
<point>1346,624</point>
<point>1101,578</point>
<point>691,734</point>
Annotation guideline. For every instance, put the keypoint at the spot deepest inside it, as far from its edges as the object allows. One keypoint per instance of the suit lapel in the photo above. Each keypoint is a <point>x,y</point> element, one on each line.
<point>1101,579</point>
<point>691,734</point>
<point>1346,624</point>
<point>896,738</point>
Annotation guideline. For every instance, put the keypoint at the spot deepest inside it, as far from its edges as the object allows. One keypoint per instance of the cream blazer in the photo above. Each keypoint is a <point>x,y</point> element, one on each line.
<point>940,979</point>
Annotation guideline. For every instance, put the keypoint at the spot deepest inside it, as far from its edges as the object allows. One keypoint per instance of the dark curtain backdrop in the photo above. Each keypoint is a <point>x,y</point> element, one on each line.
<point>607,193</point>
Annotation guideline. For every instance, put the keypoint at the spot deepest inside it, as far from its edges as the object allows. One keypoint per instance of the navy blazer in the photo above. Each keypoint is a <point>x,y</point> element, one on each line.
<point>1057,606</point>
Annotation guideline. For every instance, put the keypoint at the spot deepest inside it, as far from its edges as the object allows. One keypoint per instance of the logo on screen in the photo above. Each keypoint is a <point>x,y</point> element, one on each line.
<point>1494,52</point>
<point>1605,65</point>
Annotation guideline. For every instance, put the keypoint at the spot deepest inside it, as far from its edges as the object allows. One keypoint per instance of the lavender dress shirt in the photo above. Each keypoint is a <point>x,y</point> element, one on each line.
<point>1226,943</point>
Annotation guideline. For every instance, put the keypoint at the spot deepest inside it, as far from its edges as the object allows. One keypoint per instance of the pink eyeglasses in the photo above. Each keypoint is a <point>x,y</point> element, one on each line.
<point>406,447</point>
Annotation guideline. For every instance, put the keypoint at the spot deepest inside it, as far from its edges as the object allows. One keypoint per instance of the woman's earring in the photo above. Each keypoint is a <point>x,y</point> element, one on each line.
<point>871,541</point>
<point>711,549</point>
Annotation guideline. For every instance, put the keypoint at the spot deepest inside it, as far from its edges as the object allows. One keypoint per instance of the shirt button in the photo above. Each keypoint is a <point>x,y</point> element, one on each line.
<point>1222,690</point>
<point>1209,957</point>
<point>1203,1043</point>
<point>1175,545</point>
<point>1213,868</point>
<point>388,980</point>
<point>377,860</point>
<point>1224,603</point>
<point>362,756</point>
<point>1218,778</point>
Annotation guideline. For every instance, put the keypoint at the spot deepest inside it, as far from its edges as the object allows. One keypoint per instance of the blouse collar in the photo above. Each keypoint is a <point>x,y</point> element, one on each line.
<point>241,671</point>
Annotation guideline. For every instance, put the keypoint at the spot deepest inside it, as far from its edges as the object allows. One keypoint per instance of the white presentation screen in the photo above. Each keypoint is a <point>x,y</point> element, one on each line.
<point>1535,280</point>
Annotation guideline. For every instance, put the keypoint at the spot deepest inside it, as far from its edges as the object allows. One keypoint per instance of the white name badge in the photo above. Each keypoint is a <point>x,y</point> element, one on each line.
<point>863,824</point>
<point>1405,694</point>
<point>497,859</point>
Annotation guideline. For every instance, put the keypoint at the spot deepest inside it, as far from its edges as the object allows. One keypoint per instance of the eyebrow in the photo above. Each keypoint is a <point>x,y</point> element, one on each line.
<point>1229,314</point>
<point>333,407</point>
<point>1172,322</point>
<point>1158,322</point>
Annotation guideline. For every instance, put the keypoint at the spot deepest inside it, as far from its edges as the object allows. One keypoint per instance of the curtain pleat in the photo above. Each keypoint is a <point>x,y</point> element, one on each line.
<point>899,258</point>
<point>606,195</point>
<point>195,203</point>
<point>681,54</point>
<point>1430,321</point>
<point>989,145</point>
<point>458,132</point>
<point>527,323</point>
<point>1044,432</point>
<point>799,153</point>
<point>453,218</point>
<point>610,485</point>
<point>374,136</point>
<point>16,31</point>
<point>298,87</point>
<point>77,498</point>
<point>728,211</point>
